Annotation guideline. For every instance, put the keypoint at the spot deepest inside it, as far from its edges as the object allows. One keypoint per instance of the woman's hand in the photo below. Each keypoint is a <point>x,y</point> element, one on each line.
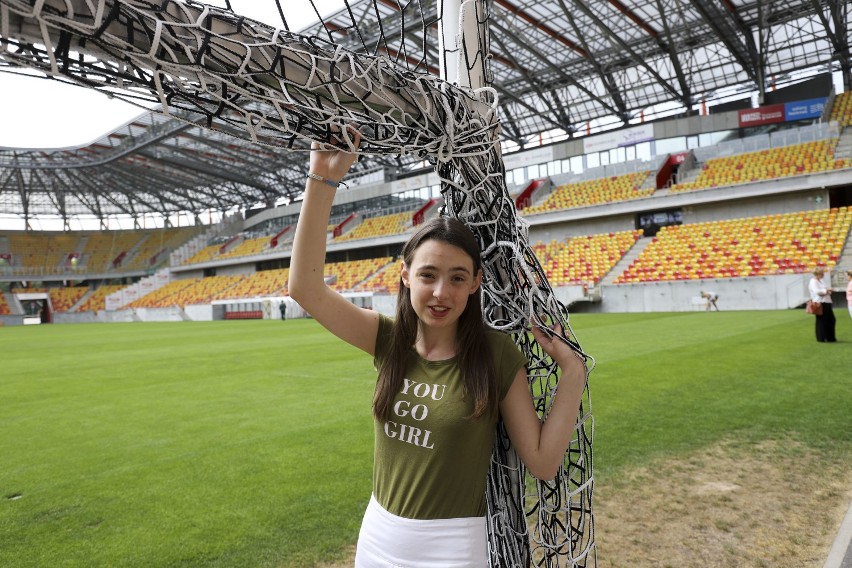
<point>333,163</point>
<point>541,445</point>
<point>568,360</point>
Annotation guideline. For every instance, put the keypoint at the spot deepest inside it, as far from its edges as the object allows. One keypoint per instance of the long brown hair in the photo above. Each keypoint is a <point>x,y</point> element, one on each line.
<point>472,348</point>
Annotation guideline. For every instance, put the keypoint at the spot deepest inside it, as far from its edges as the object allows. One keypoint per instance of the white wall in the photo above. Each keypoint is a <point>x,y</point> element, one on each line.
<point>580,228</point>
<point>11,320</point>
<point>199,312</point>
<point>385,304</point>
<point>160,314</point>
<point>76,317</point>
<point>234,270</point>
<point>118,316</point>
<point>756,207</point>
<point>759,293</point>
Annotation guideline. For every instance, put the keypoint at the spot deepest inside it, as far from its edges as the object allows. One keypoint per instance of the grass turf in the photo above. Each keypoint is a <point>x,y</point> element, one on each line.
<point>249,443</point>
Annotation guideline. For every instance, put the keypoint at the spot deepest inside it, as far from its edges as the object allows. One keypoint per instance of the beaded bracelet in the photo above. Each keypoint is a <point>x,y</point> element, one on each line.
<point>322,179</point>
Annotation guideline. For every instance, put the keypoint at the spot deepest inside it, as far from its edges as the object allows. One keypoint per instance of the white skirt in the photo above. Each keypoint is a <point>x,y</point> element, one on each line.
<point>389,541</point>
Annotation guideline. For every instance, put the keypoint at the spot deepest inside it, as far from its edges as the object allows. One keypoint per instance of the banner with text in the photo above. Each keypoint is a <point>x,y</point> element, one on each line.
<point>800,110</point>
<point>541,155</point>
<point>761,115</point>
<point>616,138</point>
<point>787,112</point>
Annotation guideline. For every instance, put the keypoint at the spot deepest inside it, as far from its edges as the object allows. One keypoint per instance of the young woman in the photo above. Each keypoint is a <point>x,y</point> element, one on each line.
<point>443,380</point>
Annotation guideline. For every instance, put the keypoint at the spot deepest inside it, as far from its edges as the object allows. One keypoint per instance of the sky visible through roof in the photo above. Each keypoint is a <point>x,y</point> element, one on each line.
<point>38,113</point>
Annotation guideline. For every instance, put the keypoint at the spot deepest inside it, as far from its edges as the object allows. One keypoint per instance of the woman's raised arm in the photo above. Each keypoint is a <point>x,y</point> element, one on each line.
<point>307,286</point>
<point>542,444</point>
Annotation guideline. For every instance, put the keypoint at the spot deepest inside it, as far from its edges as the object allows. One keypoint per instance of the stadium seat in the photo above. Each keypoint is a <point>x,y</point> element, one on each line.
<point>353,273</point>
<point>5,309</point>
<point>59,252</point>
<point>257,285</point>
<point>798,159</point>
<point>755,246</point>
<point>393,224</point>
<point>593,192</point>
<point>163,297</point>
<point>384,281</point>
<point>97,301</point>
<point>63,299</point>
<point>841,112</point>
<point>585,259</point>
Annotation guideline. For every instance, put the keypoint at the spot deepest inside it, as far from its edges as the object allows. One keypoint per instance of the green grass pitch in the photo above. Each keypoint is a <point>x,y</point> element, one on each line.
<point>249,443</point>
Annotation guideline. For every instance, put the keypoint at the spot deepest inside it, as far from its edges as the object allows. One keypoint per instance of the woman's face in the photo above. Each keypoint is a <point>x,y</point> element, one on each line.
<point>440,280</point>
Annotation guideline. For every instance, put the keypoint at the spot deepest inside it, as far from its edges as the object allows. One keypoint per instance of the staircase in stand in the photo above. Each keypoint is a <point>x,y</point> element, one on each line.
<point>626,260</point>
<point>844,263</point>
<point>844,144</point>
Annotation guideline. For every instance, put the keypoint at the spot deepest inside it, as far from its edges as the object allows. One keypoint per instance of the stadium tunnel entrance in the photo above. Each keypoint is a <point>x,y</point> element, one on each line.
<point>36,307</point>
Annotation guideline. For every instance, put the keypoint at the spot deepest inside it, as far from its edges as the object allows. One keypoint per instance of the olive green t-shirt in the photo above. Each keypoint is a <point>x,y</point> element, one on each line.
<point>431,462</point>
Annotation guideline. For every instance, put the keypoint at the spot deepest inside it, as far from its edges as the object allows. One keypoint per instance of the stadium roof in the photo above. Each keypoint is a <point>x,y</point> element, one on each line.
<point>556,65</point>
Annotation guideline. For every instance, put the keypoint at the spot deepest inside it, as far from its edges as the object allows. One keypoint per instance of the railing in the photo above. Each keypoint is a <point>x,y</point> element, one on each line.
<point>610,170</point>
<point>34,272</point>
<point>791,137</point>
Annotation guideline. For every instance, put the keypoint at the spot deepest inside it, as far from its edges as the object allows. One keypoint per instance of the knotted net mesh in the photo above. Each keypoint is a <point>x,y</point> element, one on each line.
<point>371,65</point>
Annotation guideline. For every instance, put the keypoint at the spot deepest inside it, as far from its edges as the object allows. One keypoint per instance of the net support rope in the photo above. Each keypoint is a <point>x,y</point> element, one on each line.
<point>275,87</point>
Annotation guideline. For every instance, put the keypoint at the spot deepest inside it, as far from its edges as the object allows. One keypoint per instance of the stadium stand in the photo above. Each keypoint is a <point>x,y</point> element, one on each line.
<point>384,281</point>
<point>350,273</point>
<point>156,243</point>
<point>382,225</point>
<point>594,192</point>
<point>200,291</point>
<point>40,252</point>
<point>584,259</point>
<point>755,246</point>
<point>59,250</point>
<point>248,247</point>
<point>97,300</point>
<point>104,252</point>
<point>5,309</point>
<point>52,252</point>
<point>797,159</point>
<point>163,297</point>
<point>259,284</point>
<point>63,299</point>
<point>841,112</point>
<point>243,244</point>
<point>205,290</point>
<point>204,255</point>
